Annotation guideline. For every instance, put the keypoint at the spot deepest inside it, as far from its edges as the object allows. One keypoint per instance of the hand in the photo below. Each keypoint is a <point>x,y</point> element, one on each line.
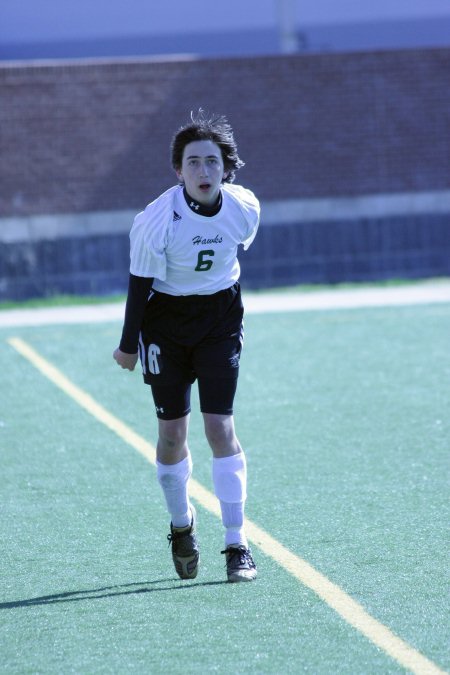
<point>126,361</point>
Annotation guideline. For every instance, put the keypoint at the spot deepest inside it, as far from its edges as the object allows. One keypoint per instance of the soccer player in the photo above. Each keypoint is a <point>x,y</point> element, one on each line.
<point>184,319</point>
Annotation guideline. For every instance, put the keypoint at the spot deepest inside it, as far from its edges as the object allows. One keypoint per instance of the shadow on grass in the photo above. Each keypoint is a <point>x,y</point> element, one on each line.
<point>137,588</point>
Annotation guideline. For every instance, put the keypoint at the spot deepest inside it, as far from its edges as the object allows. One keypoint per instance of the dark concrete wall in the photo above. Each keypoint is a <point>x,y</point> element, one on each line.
<point>281,255</point>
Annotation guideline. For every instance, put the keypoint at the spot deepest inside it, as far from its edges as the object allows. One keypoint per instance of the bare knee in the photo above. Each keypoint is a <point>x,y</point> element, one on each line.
<point>172,440</point>
<point>221,436</point>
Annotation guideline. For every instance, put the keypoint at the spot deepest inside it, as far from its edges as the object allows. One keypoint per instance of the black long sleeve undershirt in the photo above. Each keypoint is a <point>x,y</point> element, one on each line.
<point>138,291</point>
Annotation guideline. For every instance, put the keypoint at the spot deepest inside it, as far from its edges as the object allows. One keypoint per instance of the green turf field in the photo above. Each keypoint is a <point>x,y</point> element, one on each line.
<point>344,416</point>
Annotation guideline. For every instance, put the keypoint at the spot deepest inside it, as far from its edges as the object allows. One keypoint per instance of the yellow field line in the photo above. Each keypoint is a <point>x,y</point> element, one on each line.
<point>334,596</point>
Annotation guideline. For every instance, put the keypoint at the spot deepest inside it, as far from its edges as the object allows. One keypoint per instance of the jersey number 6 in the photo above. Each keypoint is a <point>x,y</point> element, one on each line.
<point>204,265</point>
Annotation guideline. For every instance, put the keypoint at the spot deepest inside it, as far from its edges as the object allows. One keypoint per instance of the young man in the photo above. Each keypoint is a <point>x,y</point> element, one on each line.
<point>184,315</point>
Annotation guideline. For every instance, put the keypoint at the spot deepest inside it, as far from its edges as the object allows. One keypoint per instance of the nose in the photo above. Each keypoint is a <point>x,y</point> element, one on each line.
<point>204,169</point>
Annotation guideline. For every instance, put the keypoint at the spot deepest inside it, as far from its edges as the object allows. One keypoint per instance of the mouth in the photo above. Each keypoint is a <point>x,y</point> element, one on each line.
<point>204,187</point>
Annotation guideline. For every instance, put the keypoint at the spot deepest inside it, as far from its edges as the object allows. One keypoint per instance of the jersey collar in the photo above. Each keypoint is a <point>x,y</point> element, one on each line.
<point>202,209</point>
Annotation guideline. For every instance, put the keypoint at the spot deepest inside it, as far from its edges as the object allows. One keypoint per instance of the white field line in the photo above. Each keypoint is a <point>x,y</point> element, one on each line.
<point>345,606</point>
<point>255,303</point>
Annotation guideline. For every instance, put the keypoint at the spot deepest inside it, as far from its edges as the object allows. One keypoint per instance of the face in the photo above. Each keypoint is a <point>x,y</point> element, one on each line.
<point>202,171</point>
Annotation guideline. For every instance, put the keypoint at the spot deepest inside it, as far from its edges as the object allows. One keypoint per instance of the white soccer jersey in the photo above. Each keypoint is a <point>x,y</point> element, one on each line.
<point>190,254</point>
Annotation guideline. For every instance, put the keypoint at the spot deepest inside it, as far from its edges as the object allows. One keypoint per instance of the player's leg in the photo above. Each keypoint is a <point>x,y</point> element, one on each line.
<point>174,469</point>
<point>216,364</point>
<point>229,471</point>
<point>166,368</point>
<point>171,390</point>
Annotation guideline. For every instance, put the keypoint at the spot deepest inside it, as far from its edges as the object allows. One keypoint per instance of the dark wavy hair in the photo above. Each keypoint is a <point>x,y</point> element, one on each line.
<point>204,127</point>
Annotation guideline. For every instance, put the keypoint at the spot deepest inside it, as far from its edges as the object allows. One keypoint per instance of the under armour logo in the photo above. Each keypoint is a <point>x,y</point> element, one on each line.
<point>159,410</point>
<point>234,361</point>
<point>176,216</point>
<point>195,206</point>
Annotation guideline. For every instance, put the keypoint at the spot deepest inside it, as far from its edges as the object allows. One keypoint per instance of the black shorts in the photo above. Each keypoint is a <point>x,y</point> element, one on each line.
<point>188,338</point>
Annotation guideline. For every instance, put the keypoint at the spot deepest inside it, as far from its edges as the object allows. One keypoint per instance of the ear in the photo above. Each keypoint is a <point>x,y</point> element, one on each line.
<point>225,175</point>
<point>179,174</point>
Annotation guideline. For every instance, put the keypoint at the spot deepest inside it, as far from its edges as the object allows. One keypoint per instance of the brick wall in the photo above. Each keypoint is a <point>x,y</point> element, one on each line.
<point>81,137</point>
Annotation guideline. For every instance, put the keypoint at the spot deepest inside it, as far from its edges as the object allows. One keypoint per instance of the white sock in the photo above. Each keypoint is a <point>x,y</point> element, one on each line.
<point>174,479</point>
<point>230,486</point>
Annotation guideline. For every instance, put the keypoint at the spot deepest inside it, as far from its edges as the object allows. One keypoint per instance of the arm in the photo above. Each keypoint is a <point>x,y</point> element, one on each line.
<point>138,291</point>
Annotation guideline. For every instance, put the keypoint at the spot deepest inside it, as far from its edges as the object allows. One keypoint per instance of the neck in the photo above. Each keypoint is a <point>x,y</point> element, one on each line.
<point>203,209</point>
